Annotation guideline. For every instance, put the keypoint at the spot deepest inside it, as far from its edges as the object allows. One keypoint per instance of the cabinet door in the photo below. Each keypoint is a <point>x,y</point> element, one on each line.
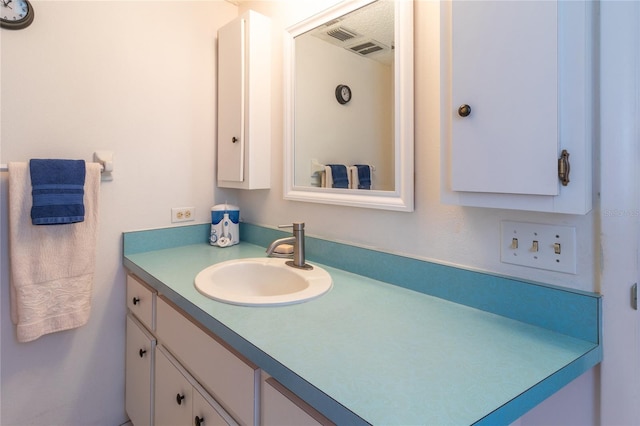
<point>231,101</point>
<point>526,70</point>
<point>203,412</point>
<point>139,373</point>
<point>244,99</point>
<point>173,394</point>
<point>505,67</point>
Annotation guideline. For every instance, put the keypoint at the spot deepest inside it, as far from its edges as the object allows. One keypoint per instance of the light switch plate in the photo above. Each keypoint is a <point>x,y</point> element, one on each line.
<point>556,246</point>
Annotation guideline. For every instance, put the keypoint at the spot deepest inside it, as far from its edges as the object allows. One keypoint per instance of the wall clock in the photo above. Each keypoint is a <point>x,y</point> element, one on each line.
<point>15,14</point>
<point>343,93</point>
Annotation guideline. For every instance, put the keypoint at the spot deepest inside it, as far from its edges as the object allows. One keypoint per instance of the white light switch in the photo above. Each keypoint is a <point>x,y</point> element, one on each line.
<point>550,247</point>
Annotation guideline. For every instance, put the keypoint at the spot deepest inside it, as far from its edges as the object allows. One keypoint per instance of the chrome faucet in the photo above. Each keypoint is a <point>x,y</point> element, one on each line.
<point>298,246</point>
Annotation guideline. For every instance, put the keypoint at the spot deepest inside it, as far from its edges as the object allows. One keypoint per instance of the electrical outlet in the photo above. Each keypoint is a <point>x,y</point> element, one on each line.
<point>183,214</point>
<point>550,247</point>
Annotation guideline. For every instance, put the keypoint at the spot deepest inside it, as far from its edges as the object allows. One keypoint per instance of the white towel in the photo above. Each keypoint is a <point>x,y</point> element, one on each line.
<point>52,266</point>
<point>326,180</point>
<point>354,180</point>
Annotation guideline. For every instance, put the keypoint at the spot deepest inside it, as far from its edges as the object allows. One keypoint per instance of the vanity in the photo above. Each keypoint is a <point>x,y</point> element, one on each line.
<point>395,341</point>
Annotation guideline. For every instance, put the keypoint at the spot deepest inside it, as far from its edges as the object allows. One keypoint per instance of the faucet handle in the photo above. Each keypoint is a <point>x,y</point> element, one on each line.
<point>297,226</point>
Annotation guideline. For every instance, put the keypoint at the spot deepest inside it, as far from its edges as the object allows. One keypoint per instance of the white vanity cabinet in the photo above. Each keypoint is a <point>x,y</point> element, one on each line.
<point>281,407</point>
<point>180,400</point>
<point>244,102</point>
<point>517,82</point>
<point>227,376</point>
<point>140,352</point>
<point>182,374</point>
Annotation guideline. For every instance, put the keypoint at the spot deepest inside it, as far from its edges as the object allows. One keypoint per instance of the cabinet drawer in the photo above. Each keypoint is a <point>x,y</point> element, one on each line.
<point>141,300</point>
<point>139,365</point>
<point>281,407</point>
<point>232,381</point>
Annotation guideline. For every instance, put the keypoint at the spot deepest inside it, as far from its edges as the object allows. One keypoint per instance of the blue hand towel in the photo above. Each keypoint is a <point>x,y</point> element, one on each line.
<point>364,176</point>
<point>340,177</point>
<point>57,188</point>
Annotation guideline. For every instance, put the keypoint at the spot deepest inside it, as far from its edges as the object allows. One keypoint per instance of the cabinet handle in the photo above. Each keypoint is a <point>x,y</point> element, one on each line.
<point>199,421</point>
<point>564,167</point>
<point>136,300</point>
<point>464,110</point>
<point>179,399</point>
<point>234,139</point>
<point>142,352</point>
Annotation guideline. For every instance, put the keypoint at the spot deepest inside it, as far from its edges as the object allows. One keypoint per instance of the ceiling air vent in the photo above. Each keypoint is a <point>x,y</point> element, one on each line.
<point>342,34</point>
<point>367,47</point>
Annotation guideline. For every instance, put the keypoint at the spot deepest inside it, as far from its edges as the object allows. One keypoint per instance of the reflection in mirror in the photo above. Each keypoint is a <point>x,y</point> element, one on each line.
<point>349,106</point>
<point>355,50</point>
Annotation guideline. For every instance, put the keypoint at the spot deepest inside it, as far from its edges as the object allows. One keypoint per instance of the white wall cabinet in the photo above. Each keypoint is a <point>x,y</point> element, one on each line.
<point>244,102</point>
<point>517,83</point>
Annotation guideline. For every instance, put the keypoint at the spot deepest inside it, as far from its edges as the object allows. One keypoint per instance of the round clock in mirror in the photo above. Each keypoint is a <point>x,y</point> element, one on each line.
<point>343,93</point>
<point>15,14</point>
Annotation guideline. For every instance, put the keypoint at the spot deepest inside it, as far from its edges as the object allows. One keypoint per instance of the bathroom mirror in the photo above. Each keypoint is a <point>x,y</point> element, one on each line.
<point>349,101</point>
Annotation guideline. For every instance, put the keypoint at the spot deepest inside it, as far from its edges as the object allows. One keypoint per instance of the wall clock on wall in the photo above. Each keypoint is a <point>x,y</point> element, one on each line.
<point>15,14</point>
<point>343,93</point>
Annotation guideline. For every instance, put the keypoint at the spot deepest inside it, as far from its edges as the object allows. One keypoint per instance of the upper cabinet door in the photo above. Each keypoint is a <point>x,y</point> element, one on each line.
<point>505,69</point>
<point>244,102</point>
<point>231,98</point>
<point>517,85</point>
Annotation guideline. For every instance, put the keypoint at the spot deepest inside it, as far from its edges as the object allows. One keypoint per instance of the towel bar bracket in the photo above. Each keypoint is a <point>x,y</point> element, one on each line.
<point>105,158</point>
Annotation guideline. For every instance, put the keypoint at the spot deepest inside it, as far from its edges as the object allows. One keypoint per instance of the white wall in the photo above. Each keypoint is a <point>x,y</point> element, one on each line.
<point>137,78</point>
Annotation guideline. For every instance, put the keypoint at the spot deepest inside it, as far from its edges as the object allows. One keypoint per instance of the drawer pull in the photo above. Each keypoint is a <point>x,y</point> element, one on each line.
<point>199,421</point>
<point>136,300</point>
<point>179,399</point>
<point>142,352</point>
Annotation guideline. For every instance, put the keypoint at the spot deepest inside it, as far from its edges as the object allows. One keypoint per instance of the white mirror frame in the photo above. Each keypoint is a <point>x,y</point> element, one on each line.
<point>401,199</point>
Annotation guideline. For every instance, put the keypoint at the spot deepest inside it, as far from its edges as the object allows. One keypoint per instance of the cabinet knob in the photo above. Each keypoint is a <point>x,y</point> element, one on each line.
<point>142,352</point>
<point>136,300</point>
<point>179,399</point>
<point>464,110</point>
<point>234,139</point>
<point>199,421</point>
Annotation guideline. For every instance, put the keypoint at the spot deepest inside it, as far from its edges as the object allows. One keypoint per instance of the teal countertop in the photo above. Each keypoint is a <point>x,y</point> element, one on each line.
<point>373,352</point>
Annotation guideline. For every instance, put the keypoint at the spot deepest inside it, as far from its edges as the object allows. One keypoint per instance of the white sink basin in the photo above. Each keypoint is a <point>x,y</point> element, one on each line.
<point>262,281</point>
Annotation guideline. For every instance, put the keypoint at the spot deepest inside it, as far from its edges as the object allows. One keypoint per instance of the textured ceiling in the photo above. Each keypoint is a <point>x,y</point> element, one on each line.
<point>372,22</point>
